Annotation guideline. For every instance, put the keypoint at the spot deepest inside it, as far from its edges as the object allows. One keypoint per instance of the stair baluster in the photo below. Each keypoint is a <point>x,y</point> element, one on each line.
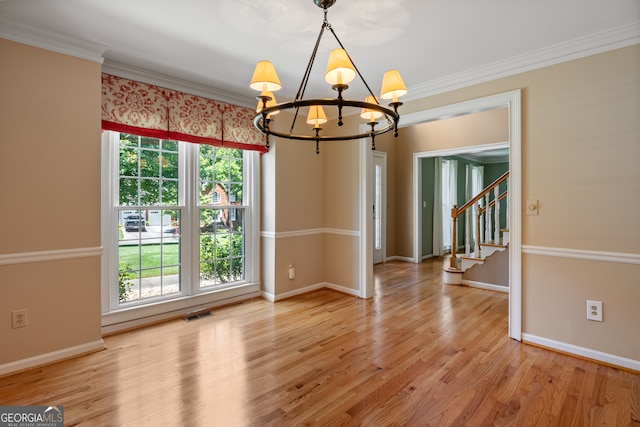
<point>474,203</point>
<point>487,220</point>
<point>496,211</point>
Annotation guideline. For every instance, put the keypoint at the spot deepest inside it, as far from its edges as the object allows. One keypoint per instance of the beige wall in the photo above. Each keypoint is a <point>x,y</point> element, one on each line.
<point>580,153</point>
<point>580,159</point>
<point>341,213</point>
<point>50,191</point>
<point>312,211</point>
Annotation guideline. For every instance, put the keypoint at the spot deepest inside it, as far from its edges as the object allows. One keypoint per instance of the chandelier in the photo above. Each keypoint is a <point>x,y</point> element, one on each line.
<point>339,73</point>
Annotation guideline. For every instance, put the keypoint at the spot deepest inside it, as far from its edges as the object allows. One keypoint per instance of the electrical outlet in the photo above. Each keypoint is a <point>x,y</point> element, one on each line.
<point>594,310</point>
<point>19,318</point>
<point>292,272</point>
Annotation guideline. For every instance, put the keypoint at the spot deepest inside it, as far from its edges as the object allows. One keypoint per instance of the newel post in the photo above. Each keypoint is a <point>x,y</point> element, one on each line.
<point>454,236</point>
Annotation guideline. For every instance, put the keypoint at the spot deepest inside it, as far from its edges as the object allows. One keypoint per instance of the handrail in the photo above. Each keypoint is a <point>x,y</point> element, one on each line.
<point>481,194</point>
<point>455,213</point>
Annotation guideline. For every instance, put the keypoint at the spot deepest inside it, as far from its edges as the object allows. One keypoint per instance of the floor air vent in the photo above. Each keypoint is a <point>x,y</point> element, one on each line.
<point>193,315</point>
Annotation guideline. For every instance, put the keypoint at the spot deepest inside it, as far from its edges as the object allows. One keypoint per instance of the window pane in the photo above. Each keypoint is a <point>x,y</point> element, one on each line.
<point>221,169</point>
<point>206,166</point>
<point>221,246</point>
<point>170,193</point>
<point>235,166</point>
<point>128,140</point>
<point>170,146</point>
<point>235,195</point>
<point>149,192</point>
<point>148,142</point>
<point>141,171</point>
<point>149,254</point>
<point>128,191</point>
<point>169,164</point>
<point>149,163</point>
<point>128,161</point>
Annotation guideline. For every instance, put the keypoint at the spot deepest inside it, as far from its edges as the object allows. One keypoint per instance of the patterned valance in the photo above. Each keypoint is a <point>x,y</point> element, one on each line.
<point>148,110</point>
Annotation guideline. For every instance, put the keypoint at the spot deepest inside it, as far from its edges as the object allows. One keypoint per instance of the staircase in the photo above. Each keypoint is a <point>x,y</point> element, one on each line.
<point>486,250</point>
<point>486,210</point>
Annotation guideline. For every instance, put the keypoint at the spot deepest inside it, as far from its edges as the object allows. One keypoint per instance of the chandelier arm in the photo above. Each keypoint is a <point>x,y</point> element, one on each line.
<point>307,73</point>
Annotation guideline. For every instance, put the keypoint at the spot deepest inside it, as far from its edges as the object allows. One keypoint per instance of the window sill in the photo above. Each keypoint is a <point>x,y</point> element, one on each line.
<point>128,318</point>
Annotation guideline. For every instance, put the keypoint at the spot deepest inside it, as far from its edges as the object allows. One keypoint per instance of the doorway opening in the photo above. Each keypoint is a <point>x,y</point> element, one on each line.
<point>510,100</point>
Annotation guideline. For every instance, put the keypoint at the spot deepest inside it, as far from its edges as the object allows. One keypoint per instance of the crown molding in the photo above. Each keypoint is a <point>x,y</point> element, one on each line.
<point>48,40</point>
<point>573,49</point>
<point>162,80</point>
<point>581,47</point>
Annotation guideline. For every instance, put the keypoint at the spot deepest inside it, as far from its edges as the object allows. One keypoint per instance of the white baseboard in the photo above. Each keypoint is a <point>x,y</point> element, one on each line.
<point>487,286</point>
<point>348,291</point>
<point>399,258</point>
<point>273,298</point>
<point>609,359</point>
<point>54,356</point>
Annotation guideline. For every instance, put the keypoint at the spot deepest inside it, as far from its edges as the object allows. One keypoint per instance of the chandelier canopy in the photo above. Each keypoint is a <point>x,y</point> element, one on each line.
<point>339,73</point>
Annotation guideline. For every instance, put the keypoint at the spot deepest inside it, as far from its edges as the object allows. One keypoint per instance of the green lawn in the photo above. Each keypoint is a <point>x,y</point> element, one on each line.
<point>150,256</point>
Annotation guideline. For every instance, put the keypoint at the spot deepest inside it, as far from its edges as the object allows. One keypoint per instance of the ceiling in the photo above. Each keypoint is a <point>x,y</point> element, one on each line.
<point>213,45</point>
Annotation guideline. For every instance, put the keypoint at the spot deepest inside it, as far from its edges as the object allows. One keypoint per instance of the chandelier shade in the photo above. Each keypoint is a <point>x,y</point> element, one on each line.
<point>369,114</point>
<point>392,85</point>
<point>340,71</point>
<point>316,116</point>
<point>265,77</point>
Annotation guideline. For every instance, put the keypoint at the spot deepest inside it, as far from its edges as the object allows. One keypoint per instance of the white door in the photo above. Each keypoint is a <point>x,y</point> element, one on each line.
<point>379,203</point>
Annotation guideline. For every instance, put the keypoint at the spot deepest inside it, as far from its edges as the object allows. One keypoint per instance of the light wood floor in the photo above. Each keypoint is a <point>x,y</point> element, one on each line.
<point>419,353</point>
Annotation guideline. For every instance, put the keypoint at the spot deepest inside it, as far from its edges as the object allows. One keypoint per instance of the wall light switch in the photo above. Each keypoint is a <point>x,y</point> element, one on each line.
<point>532,207</point>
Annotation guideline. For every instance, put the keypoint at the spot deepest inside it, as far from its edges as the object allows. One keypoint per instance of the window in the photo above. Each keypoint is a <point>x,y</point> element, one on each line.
<point>178,220</point>
<point>222,237</point>
<point>449,198</point>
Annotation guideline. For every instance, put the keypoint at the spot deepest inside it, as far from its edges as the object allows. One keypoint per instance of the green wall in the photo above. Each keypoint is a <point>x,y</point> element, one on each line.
<point>428,173</point>
<point>492,171</point>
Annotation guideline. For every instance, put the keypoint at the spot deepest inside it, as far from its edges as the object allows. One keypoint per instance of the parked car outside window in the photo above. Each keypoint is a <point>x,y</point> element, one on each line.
<point>134,223</point>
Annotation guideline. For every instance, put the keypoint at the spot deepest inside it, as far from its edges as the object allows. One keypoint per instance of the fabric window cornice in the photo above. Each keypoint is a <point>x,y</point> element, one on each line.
<point>148,110</point>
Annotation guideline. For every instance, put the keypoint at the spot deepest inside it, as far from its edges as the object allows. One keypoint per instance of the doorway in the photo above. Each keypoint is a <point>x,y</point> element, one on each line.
<point>379,206</point>
<point>512,101</point>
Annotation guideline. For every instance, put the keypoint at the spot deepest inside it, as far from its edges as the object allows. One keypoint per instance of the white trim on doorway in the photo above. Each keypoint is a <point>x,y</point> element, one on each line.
<point>510,100</point>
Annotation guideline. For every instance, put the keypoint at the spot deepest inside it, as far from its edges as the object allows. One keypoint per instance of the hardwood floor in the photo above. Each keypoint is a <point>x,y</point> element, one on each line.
<point>419,353</point>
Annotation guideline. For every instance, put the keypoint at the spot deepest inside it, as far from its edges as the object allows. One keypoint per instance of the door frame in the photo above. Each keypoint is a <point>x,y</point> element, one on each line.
<point>510,100</point>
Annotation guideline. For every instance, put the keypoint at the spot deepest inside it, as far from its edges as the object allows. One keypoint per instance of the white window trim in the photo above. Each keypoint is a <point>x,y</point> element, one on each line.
<point>114,317</point>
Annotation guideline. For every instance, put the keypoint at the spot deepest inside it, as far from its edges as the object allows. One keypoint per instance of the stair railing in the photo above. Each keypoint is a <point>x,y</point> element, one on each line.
<point>480,210</point>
